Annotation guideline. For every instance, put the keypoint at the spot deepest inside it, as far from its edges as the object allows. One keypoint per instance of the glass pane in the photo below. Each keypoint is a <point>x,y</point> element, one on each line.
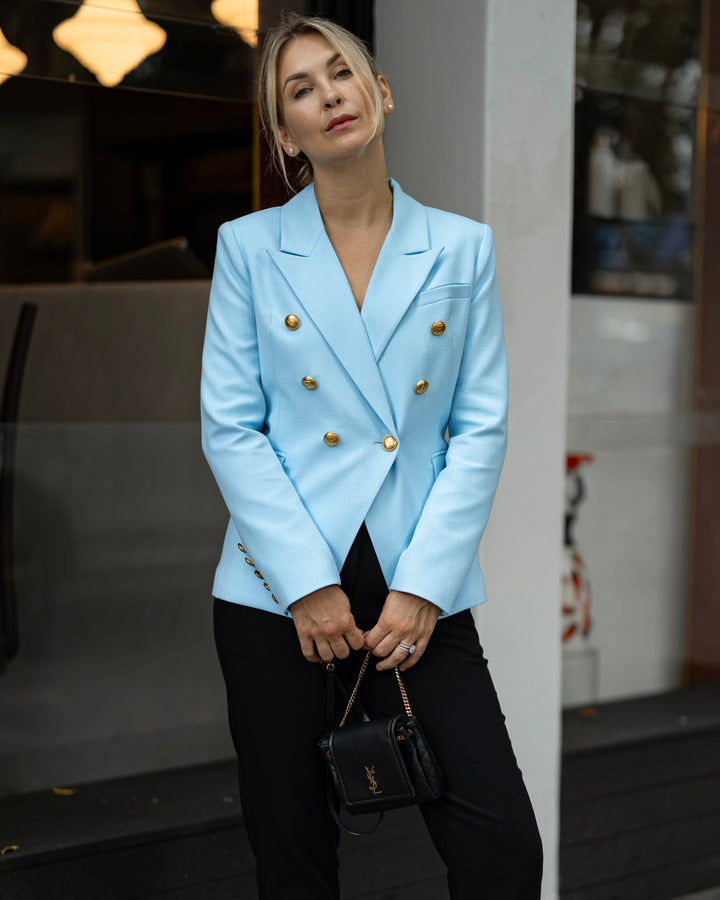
<point>199,56</point>
<point>89,174</point>
<point>111,510</point>
<point>116,531</point>
<point>640,584</point>
<point>638,78</point>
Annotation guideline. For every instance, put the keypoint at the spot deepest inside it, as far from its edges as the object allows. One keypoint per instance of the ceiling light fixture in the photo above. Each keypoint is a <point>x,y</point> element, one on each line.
<point>110,38</point>
<point>242,15</point>
<point>12,60</point>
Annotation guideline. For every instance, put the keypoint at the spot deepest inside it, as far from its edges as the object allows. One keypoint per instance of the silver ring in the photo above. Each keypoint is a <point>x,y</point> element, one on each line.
<point>408,649</point>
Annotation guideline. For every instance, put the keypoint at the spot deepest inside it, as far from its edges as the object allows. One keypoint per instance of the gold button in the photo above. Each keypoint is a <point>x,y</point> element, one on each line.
<point>274,598</point>
<point>241,548</point>
<point>309,383</point>
<point>259,574</point>
<point>331,439</point>
<point>389,443</point>
<point>437,327</point>
<point>266,586</point>
<point>292,322</point>
<point>249,561</point>
<point>421,387</point>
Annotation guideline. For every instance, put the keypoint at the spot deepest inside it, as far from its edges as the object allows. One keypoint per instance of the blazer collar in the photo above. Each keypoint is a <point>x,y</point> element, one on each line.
<point>301,224</point>
<point>310,265</point>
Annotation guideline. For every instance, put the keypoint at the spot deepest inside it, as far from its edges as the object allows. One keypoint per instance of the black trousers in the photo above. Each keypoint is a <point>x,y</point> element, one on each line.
<point>483,826</point>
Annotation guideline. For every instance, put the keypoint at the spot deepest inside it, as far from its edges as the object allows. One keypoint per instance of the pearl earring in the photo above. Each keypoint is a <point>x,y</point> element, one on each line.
<point>290,151</point>
<point>390,106</point>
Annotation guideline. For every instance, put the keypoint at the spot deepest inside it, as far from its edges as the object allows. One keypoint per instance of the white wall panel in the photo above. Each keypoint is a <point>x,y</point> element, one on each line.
<point>630,382</point>
<point>483,127</point>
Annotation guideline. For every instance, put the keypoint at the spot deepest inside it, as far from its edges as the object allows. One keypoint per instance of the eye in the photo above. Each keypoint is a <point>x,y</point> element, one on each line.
<point>343,73</point>
<point>301,92</point>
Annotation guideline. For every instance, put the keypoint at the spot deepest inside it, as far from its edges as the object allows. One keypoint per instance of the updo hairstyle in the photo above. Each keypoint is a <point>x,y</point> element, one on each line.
<point>351,48</point>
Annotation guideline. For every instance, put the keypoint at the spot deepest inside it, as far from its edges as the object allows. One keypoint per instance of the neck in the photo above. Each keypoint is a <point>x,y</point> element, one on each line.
<point>354,194</point>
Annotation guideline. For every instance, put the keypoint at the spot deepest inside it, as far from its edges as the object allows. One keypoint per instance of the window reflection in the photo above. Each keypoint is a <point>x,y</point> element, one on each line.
<point>12,59</point>
<point>89,174</point>
<point>643,375</point>
<point>199,56</point>
<point>637,83</point>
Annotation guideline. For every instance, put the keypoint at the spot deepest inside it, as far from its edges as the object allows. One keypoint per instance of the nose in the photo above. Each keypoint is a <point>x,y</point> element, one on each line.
<point>332,98</point>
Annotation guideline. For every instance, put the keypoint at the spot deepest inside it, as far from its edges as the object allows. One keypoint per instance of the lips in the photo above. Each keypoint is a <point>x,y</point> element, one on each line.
<point>339,121</point>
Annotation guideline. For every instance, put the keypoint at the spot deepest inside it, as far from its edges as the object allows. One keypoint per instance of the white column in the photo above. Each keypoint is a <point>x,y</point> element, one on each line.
<point>483,126</point>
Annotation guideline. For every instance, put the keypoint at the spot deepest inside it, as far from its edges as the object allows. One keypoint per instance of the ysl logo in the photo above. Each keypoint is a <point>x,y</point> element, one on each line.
<point>370,772</point>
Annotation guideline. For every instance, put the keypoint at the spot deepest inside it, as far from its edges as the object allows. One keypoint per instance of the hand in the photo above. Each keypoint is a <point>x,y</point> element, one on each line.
<point>405,619</point>
<point>325,626</point>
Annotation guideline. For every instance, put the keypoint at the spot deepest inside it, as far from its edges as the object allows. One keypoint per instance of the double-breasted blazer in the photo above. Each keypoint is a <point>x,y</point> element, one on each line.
<point>317,416</point>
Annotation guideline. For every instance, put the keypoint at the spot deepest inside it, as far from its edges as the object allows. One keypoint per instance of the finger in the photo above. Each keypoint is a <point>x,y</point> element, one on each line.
<point>396,658</point>
<point>342,643</point>
<point>352,639</point>
<point>414,658</point>
<point>355,638</point>
<point>389,645</point>
<point>376,634</point>
<point>325,651</point>
<point>340,647</point>
<point>308,649</point>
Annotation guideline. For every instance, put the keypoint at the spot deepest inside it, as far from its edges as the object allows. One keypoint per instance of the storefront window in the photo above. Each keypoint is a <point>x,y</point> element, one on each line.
<point>638,76</point>
<point>98,163</point>
<point>641,614</point>
<point>110,522</point>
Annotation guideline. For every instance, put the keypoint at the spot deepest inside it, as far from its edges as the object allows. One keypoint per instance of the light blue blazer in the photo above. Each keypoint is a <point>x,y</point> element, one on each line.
<point>317,417</point>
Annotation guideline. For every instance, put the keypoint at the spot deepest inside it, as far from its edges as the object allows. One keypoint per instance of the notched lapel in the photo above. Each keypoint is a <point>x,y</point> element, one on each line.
<point>396,281</point>
<point>402,269</point>
<point>311,268</point>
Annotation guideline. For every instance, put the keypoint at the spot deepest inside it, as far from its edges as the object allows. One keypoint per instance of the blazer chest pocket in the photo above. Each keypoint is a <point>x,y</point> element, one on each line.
<point>443,292</point>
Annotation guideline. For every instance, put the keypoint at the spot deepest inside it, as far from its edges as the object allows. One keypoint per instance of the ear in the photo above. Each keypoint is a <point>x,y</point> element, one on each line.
<point>385,93</point>
<point>287,141</point>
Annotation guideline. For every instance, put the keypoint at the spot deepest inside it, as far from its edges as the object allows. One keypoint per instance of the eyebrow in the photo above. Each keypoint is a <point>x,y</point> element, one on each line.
<point>298,76</point>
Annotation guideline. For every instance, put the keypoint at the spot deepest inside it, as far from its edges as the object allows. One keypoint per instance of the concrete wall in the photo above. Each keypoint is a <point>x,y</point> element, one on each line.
<point>483,126</point>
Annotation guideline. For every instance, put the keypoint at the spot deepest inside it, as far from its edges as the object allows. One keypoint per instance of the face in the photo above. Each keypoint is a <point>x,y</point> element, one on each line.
<point>324,111</point>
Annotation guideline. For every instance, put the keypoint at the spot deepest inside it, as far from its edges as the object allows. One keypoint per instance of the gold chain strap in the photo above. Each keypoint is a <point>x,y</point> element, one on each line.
<point>403,693</point>
<point>353,695</point>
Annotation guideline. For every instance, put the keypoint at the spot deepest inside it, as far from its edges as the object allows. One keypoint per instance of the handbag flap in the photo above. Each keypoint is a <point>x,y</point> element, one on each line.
<point>370,767</point>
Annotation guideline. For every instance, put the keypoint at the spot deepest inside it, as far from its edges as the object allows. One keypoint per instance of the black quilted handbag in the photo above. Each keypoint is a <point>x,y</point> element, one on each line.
<point>379,764</point>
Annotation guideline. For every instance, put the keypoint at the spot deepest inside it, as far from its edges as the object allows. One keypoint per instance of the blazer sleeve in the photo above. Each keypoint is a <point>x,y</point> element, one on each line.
<point>445,541</point>
<point>270,518</point>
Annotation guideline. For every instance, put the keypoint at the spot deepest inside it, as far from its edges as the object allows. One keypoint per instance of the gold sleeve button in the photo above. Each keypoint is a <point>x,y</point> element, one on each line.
<point>438,327</point>
<point>331,439</point>
<point>241,548</point>
<point>259,574</point>
<point>274,598</point>
<point>292,322</point>
<point>389,443</point>
<point>309,383</point>
<point>421,387</point>
<point>266,586</point>
<point>249,561</point>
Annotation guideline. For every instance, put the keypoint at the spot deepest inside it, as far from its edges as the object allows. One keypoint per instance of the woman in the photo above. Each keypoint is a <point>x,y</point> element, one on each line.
<point>354,415</point>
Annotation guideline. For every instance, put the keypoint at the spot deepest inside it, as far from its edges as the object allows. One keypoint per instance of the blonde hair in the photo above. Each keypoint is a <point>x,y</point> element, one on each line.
<point>358,60</point>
